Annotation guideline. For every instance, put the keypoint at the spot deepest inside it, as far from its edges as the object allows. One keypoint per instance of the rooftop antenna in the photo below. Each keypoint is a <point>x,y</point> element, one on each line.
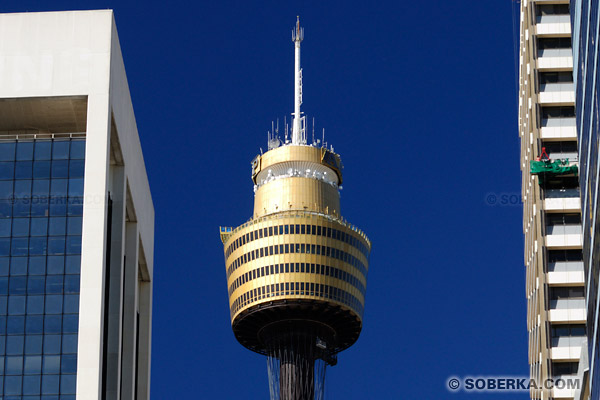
<point>323,142</point>
<point>286,128</point>
<point>313,141</point>
<point>298,133</point>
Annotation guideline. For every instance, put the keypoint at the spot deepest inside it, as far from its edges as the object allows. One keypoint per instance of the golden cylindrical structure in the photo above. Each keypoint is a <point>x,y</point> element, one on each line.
<point>296,261</point>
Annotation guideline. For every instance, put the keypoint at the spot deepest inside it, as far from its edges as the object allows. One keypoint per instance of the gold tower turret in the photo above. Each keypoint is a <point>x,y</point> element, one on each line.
<point>297,271</point>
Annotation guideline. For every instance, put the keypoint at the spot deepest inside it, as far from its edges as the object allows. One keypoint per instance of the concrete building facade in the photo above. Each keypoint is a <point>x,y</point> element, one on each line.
<point>556,313</point>
<point>76,218</point>
<point>585,23</point>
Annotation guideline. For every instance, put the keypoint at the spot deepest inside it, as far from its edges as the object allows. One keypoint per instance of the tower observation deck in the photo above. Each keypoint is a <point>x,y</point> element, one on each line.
<point>297,271</point>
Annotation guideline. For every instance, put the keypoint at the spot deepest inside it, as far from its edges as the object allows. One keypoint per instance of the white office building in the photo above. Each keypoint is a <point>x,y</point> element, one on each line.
<point>76,214</point>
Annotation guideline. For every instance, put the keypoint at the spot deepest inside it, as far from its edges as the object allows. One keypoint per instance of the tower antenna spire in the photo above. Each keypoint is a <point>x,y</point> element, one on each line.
<point>298,129</point>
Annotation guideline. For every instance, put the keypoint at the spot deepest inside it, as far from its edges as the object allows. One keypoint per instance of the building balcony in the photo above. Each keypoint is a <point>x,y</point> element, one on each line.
<point>559,128</point>
<point>555,59</point>
<point>553,25</point>
<point>565,273</point>
<point>567,311</point>
<point>563,204</point>
<point>564,393</point>
<point>563,200</point>
<point>564,241</point>
<point>557,94</point>
<point>566,349</point>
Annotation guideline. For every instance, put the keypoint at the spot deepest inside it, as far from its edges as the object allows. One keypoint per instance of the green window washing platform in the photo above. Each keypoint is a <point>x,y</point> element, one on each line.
<point>547,169</point>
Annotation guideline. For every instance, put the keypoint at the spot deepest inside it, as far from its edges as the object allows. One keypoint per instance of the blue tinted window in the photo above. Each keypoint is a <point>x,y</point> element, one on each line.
<point>43,150</point>
<point>19,246</point>
<point>51,365</point>
<point>7,151</point>
<point>18,265</point>
<point>77,149</point>
<point>58,206</point>
<point>56,245</point>
<point>3,305</point>
<point>37,265</point>
<point>33,344</point>
<point>15,325</point>
<point>38,246</point>
<point>20,227</point>
<point>67,384</point>
<point>5,208</point>
<point>23,170</point>
<point>39,226</point>
<point>72,283</point>
<point>23,190</point>
<point>31,385</point>
<point>3,285</point>
<point>58,187</point>
<point>33,365</point>
<point>24,151</point>
<point>41,187</point>
<point>22,206</point>
<point>12,385</point>
<point>76,187</point>
<point>60,150</point>
<point>57,226</point>
<point>6,189</point>
<point>52,343</point>
<point>74,245</point>
<point>69,343</point>
<point>15,345</point>
<point>50,384</point>
<point>70,323</point>
<point>74,226</point>
<point>56,265</point>
<point>60,169</point>
<point>54,284</point>
<point>39,207</point>
<point>4,262</point>
<point>76,169</point>
<point>17,285</point>
<point>41,169</point>
<point>54,304</point>
<point>52,324</point>
<point>34,324</point>
<point>75,206</point>
<point>7,170</point>
<point>5,225</point>
<point>36,284</point>
<point>35,304</point>
<point>69,364</point>
<point>71,302</point>
<point>16,305</point>
<point>14,365</point>
<point>73,264</point>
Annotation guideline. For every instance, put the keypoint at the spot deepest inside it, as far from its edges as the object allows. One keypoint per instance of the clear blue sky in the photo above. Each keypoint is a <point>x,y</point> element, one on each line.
<point>417,97</point>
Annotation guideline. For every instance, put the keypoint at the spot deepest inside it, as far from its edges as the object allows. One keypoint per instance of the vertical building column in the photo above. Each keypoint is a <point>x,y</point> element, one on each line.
<point>115,290</point>
<point>130,309</point>
<point>144,340</point>
<point>93,249</point>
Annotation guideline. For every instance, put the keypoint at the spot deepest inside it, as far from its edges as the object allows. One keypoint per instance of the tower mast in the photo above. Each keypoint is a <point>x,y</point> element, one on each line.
<point>298,134</point>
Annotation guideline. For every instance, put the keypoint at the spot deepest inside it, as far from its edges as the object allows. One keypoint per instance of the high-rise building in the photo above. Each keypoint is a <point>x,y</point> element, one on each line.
<point>76,215</point>
<point>556,314</point>
<point>585,23</point>
<point>297,271</point>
